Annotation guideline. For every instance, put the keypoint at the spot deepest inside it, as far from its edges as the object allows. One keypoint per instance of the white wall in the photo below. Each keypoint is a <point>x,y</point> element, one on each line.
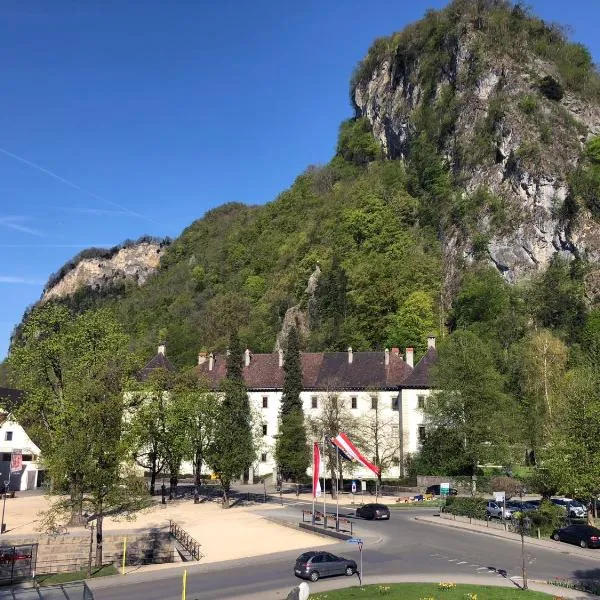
<point>413,418</point>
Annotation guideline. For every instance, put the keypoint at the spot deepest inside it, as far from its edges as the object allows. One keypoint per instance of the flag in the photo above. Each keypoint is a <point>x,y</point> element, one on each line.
<point>342,453</point>
<point>346,446</point>
<point>316,470</point>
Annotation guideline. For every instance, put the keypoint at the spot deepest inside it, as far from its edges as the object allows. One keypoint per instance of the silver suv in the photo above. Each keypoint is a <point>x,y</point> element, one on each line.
<point>576,509</point>
<point>494,509</point>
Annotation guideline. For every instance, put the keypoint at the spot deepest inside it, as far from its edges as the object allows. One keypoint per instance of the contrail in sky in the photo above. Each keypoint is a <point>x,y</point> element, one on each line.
<point>74,185</point>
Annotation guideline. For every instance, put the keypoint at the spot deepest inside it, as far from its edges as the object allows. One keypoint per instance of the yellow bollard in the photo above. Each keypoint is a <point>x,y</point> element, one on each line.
<point>184,584</point>
<point>124,555</point>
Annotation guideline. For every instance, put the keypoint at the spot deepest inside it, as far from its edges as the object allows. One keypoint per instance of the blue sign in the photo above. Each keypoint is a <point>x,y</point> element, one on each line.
<point>354,541</point>
<point>354,487</point>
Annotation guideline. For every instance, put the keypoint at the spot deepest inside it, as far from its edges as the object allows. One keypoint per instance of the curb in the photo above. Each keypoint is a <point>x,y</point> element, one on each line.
<point>324,532</point>
<point>563,548</point>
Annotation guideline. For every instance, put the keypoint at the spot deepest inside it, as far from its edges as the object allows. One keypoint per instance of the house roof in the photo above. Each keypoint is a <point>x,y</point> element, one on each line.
<point>320,371</point>
<point>10,397</point>
<point>421,374</point>
<point>160,361</point>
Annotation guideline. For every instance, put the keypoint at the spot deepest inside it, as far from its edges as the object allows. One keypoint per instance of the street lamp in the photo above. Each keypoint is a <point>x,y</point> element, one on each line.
<point>6,486</point>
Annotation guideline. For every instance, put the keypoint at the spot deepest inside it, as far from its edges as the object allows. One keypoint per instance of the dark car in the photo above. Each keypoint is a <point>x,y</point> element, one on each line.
<point>11,555</point>
<point>314,565</point>
<point>373,511</point>
<point>435,490</point>
<point>516,506</point>
<point>582,535</point>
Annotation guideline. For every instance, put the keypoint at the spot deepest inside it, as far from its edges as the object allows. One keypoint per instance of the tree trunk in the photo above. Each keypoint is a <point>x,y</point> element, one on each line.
<point>172,485</point>
<point>198,469</point>
<point>99,522</point>
<point>225,486</point>
<point>91,554</point>
<point>153,474</point>
<point>76,493</point>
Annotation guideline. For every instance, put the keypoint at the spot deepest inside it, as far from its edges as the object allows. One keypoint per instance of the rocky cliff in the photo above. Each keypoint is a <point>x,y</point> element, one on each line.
<point>133,263</point>
<point>512,103</point>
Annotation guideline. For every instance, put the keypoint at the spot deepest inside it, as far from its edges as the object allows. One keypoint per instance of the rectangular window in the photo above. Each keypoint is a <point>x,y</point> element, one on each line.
<point>313,402</point>
<point>354,401</point>
<point>27,458</point>
<point>6,457</point>
<point>8,436</point>
<point>394,402</point>
<point>265,402</point>
<point>421,433</point>
<point>420,402</point>
<point>263,457</point>
<point>373,402</point>
<point>264,430</point>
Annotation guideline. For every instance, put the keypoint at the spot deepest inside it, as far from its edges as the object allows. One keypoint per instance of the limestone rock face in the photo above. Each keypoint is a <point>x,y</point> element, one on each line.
<point>503,98</point>
<point>134,263</point>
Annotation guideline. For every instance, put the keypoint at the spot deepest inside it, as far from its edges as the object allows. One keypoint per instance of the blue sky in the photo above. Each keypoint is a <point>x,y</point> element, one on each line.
<point>122,118</point>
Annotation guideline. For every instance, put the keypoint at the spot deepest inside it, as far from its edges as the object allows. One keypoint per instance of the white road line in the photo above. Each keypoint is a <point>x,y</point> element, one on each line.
<point>473,565</point>
<point>451,560</point>
<point>462,562</point>
<point>482,569</point>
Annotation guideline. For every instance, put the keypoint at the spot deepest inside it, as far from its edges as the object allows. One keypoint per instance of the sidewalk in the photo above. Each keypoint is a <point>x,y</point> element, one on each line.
<point>548,544</point>
<point>334,584</point>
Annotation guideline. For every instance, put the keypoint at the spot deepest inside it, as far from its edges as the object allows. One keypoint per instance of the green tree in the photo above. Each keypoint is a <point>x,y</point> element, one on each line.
<point>232,451</point>
<point>413,322</point>
<point>469,389</point>
<point>442,453</point>
<point>356,143</point>
<point>291,449</point>
<point>541,365</point>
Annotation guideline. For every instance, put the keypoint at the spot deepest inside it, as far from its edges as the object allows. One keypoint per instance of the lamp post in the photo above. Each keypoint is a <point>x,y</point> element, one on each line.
<point>522,530</point>
<point>6,486</point>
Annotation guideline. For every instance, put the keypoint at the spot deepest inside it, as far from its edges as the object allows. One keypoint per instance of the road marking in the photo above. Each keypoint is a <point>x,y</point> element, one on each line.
<point>473,565</point>
<point>482,569</point>
<point>462,562</point>
<point>451,560</point>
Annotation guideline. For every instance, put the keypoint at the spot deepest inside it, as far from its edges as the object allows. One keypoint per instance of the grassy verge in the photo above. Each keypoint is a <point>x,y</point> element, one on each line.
<point>55,578</point>
<point>430,591</point>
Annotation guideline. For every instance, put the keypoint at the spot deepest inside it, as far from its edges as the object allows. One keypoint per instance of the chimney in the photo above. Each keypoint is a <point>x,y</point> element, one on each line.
<point>211,361</point>
<point>410,357</point>
<point>247,357</point>
<point>280,352</point>
<point>202,357</point>
<point>350,355</point>
<point>162,348</point>
<point>387,357</point>
<point>396,351</point>
<point>431,341</point>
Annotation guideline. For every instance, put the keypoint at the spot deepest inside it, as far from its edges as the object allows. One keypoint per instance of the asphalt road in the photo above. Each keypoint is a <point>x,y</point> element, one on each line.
<point>398,546</point>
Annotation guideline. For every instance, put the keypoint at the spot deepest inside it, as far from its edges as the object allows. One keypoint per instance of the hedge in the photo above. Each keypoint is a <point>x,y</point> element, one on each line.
<point>466,506</point>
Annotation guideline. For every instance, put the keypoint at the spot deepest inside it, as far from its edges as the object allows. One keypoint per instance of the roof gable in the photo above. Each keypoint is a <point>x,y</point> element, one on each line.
<point>160,361</point>
<point>421,374</point>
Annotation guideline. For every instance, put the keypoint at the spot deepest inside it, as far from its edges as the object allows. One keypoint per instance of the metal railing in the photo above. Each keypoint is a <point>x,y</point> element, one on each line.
<point>186,540</point>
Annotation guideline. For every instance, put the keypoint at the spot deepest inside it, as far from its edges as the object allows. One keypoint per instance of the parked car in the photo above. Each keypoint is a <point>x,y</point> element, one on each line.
<point>576,509</point>
<point>494,509</point>
<point>585,536</point>
<point>517,506</point>
<point>11,555</point>
<point>314,565</point>
<point>435,490</point>
<point>373,511</point>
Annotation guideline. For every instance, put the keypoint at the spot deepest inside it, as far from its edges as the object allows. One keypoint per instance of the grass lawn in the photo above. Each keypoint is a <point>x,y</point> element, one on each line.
<point>430,591</point>
<point>54,578</point>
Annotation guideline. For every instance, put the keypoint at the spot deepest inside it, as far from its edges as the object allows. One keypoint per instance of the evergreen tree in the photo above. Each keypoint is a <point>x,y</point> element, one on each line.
<point>232,451</point>
<point>291,450</point>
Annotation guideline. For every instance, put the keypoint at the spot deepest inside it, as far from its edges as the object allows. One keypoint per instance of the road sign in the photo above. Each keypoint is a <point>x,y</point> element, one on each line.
<point>499,496</point>
<point>363,486</point>
<point>444,489</point>
<point>354,487</point>
<point>354,541</point>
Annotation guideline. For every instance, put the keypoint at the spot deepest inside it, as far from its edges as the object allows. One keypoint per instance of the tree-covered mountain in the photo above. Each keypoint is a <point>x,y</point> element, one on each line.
<point>470,163</point>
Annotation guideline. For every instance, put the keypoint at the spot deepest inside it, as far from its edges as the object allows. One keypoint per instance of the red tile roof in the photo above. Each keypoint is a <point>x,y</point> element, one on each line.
<point>320,371</point>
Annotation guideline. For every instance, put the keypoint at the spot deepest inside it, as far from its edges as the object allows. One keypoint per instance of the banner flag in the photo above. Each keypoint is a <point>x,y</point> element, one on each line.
<point>316,470</point>
<point>345,445</point>
<point>16,461</point>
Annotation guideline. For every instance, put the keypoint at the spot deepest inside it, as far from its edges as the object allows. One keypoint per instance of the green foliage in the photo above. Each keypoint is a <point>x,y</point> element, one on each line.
<point>356,143</point>
<point>528,104</point>
<point>232,450</point>
<point>550,88</point>
<point>442,453</point>
<point>547,518</point>
<point>466,507</point>
<point>585,179</point>
<point>292,378</point>
<point>291,451</point>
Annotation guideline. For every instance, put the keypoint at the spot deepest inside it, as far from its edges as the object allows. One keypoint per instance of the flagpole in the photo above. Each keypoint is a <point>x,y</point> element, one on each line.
<point>314,491</point>
<point>324,489</point>
<point>337,489</point>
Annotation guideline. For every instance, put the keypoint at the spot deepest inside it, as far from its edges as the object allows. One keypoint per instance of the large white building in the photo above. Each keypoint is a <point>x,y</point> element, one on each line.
<point>370,385</point>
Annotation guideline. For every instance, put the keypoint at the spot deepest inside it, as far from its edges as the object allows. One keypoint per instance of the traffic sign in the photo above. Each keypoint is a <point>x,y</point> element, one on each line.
<point>354,541</point>
<point>444,489</point>
<point>354,487</point>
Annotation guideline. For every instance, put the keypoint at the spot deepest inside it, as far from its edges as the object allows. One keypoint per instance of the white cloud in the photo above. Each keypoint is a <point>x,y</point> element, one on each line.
<point>16,223</point>
<point>20,280</point>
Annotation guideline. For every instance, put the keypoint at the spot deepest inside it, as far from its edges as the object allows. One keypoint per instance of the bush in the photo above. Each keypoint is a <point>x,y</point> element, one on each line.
<point>547,518</point>
<point>466,507</point>
<point>510,485</point>
<point>528,104</point>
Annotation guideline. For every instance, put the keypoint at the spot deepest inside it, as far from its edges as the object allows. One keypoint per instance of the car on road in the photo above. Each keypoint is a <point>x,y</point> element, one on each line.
<point>373,511</point>
<point>585,536</point>
<point>436,491</point>
<point>314,565</point>
<point>576,509</point>
<point>495,510</point>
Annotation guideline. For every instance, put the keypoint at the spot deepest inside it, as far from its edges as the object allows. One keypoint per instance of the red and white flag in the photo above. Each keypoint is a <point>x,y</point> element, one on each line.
<point>316,469</point>
<point>348,448</point>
